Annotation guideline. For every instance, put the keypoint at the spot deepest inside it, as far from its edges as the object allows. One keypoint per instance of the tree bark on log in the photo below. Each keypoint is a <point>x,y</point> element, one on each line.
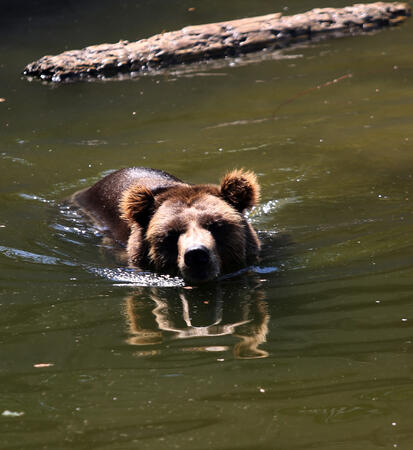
<point>215,40</point>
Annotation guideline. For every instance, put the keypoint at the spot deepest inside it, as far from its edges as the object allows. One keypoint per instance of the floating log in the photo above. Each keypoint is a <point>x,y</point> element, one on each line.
<point>215,40</point>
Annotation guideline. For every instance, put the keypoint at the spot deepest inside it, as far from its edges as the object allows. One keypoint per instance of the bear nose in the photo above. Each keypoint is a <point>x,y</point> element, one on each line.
<point>196,256</point>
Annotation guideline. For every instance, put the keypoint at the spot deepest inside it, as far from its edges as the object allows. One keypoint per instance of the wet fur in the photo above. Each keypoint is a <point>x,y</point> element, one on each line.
<point>159,217</point>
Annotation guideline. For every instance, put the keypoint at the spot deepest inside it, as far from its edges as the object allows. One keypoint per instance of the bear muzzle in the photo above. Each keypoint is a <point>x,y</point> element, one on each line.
<point>199,264</point>
<point>197,256</point>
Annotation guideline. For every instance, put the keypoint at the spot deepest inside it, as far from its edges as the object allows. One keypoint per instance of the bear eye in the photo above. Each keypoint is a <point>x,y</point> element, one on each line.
<point>215,227</point>
<point>170,242</point>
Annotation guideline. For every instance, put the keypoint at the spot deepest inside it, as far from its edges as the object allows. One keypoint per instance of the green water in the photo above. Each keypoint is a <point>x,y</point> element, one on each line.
<point>312,348</point>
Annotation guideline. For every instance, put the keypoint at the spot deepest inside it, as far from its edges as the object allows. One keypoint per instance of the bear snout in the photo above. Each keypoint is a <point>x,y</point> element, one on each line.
<point>199,264</point>
<point>196,256</point>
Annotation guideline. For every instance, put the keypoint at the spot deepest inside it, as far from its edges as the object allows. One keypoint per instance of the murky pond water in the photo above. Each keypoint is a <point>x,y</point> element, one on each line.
<point>310,349</point>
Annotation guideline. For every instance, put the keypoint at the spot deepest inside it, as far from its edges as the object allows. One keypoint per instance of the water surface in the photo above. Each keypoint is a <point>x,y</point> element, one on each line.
<point>311,348</point>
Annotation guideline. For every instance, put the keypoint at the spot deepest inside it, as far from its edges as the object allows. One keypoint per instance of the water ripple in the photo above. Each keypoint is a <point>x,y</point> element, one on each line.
<point>24,255</point>
<point>35,198</point>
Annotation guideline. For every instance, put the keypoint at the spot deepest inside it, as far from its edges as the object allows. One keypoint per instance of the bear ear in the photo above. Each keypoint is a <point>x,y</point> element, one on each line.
<point>240,189</point>
<point>137,205</point>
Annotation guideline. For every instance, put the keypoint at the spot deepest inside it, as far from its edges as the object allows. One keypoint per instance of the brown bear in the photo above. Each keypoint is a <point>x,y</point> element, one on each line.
<point>196,231</point>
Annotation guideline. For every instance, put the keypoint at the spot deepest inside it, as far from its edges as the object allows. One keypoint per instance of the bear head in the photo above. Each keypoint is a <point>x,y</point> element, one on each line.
<point>196,231</point>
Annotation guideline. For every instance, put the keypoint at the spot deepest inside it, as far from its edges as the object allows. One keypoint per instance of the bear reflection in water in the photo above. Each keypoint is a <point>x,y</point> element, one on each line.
<point>157,315</point>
